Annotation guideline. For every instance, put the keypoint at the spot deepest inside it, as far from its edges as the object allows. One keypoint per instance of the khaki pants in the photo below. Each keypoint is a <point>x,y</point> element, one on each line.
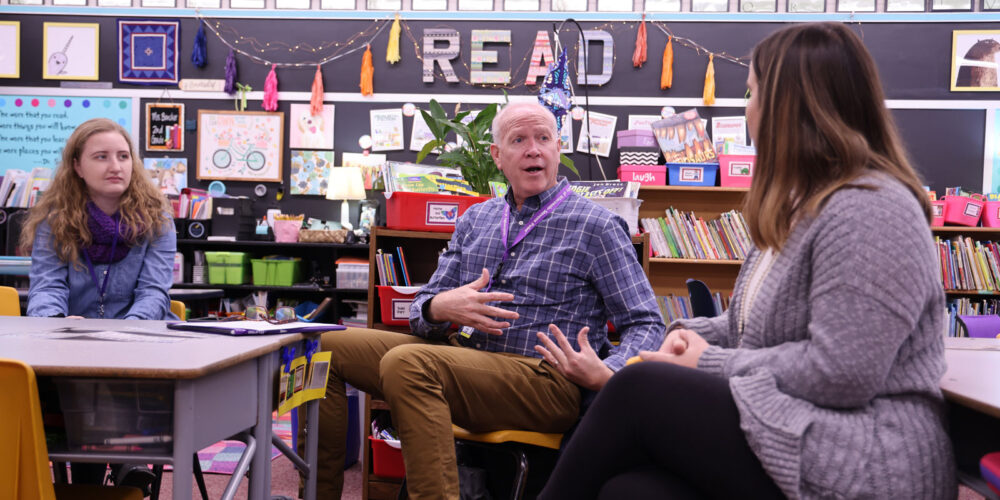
<point>428,385</point>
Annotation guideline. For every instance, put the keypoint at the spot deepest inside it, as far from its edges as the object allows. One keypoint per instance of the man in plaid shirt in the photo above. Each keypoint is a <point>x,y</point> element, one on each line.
<point>540,259</point>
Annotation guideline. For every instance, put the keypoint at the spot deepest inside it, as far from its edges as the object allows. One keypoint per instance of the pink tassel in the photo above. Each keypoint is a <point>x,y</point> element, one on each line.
<point>271,91</point>
<point>316,103</point>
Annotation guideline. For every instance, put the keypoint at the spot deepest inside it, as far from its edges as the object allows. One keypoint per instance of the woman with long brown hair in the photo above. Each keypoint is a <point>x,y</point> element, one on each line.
<point>821,380</point>
<point>101,240</point>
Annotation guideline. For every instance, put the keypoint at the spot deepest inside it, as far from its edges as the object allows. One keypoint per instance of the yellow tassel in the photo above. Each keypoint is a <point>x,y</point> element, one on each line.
<point>367,73</point>
<point>392,51</point>
<point>709,95</point>
<point>667,73</point>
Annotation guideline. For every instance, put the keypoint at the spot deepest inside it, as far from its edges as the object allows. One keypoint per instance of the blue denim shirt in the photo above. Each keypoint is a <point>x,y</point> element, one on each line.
<point>137,285</point>
<point>577,268</point>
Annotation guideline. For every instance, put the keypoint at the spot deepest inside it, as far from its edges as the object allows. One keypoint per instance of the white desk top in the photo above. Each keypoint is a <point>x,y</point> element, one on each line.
<point>973,376</point>
<point>141,349</point>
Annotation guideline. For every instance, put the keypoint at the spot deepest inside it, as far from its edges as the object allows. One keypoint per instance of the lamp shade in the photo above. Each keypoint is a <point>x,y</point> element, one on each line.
<point>345,183</point>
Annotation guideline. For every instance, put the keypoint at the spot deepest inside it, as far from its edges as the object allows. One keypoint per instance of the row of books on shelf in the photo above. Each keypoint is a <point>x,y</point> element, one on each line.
<point>675,307</point>
<point>682,235</point>
<point>969,265</point>
<point>359,313</point>
<point>20,188</point>
<point>389,272</point>
<point>966,306</point>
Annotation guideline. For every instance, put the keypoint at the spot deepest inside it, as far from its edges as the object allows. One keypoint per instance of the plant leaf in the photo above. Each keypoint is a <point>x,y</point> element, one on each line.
<point>432,125</point>
<point>568,163</point>
<point>426,150</point>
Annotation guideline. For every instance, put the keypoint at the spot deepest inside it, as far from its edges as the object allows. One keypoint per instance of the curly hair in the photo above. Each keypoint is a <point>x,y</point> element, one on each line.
<point>144,210</point>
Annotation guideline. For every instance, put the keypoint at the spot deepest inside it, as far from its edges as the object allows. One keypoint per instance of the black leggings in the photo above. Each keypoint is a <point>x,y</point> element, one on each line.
<point>659,430</point>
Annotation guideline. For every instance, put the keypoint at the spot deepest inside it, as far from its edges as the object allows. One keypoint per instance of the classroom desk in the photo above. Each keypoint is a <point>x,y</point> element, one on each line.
<point>187,294</point>
<point>972,387</point>
<point>222,385</point>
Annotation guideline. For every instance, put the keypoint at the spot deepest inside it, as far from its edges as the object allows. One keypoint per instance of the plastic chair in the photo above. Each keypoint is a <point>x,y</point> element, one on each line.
<point>517,438</point>
<point>24,460</point>
<point>985,326</point>
<point>177,307</point>
<point>10,302</point>
<point>702,304</point>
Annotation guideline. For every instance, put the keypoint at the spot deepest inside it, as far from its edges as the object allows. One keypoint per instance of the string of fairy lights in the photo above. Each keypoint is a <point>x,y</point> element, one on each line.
<point>258,51</point>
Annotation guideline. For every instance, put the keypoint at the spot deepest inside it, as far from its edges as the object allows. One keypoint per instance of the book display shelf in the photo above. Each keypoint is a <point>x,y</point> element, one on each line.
<point>973,235</point>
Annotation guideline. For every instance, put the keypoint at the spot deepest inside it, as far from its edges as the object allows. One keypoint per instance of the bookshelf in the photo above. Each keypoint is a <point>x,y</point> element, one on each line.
<point>976,234</point>
<point>668,275</point>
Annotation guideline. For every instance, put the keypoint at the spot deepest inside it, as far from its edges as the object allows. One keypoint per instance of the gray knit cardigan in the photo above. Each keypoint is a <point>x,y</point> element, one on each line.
<point>837,376</point>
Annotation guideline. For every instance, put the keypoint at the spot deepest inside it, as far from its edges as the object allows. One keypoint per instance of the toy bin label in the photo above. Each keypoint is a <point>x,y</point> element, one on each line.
<point>972,210</point>
<point>401,309</point>
<point>740,168</point>
<point>442,214</point>
<point>691,174</point>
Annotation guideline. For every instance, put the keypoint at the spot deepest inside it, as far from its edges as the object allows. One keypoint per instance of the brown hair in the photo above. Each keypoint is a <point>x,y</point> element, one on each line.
<point>822,124</point>
<point>144,210</point>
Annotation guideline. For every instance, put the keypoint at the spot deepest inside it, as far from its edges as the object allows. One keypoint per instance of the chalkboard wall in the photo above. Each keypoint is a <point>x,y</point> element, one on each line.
<point>946,145</point>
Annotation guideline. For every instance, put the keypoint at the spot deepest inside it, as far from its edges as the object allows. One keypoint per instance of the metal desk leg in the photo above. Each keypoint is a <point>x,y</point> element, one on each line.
<point>312,445</point>
<point>183,438</point>
<point>260,467</point>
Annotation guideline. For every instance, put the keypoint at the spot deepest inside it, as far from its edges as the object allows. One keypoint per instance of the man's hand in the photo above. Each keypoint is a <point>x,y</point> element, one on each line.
<point>583,368</point>
<point>681,347</point>
<point>466,305</point>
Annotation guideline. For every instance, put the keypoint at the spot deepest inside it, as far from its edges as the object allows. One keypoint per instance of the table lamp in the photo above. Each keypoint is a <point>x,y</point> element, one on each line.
<point>345,184</point>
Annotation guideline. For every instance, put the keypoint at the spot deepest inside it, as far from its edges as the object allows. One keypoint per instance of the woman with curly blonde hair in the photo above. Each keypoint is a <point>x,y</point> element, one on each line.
<point>101,239</point>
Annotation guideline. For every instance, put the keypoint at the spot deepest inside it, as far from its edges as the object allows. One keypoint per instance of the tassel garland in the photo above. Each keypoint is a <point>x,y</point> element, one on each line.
<point>392,51</point>
<point>271,90</point>
<point>667,73</point>
<point>639,55</point>
<point>230,88</point>
<point>367,73</point>
<point>316,103</point>
<point>199,54</point>
<point>709,95</point>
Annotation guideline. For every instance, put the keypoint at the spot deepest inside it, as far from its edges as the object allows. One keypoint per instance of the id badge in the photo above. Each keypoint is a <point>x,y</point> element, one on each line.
<point>466,331</point>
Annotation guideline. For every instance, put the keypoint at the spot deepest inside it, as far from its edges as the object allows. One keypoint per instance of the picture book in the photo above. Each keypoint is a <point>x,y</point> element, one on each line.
<point>684,139</point>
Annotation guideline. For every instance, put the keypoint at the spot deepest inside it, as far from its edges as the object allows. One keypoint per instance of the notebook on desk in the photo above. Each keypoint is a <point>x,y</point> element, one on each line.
<point>238,328</point>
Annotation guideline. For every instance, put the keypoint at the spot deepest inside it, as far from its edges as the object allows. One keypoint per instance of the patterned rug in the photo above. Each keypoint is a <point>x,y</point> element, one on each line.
<point>222,457</point>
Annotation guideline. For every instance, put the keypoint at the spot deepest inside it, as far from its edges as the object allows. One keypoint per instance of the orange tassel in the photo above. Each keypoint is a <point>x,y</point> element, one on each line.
<point>367,73</point>
<point>316,103</point>
<point>639,56</point>
<point>709,95</point>
<point>667,73</point>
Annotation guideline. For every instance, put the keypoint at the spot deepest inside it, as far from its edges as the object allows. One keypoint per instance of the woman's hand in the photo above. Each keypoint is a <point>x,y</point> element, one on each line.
<point>681,347</point>
<point>583,368</point>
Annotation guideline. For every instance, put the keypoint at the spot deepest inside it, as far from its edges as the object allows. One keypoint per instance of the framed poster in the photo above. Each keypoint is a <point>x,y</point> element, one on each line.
<point>974,60</point>
<point>308,131</point>
<point>240,145</point>
<point>164,126</point>
<point>310,172</point>
<point>10,59</point>
<point>167,174</point>
<point>147,51</point>
<point>70,50</point>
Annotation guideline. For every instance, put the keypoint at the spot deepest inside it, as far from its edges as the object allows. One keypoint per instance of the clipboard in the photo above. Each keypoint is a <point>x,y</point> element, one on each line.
<point>240,328</point>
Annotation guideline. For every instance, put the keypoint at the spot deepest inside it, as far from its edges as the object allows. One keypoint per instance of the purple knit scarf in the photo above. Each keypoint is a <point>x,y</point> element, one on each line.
<point>102,230</point>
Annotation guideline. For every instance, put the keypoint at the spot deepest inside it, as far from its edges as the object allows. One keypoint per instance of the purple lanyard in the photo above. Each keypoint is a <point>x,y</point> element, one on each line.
<point>533,222</point>
<point>107,272</point>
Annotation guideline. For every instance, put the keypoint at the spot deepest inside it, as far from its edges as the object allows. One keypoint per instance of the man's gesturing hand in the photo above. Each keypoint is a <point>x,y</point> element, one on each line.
<point>467,306</point>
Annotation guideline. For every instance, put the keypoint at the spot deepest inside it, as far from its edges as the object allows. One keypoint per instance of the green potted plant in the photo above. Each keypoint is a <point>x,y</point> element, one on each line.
<point>473,156</point>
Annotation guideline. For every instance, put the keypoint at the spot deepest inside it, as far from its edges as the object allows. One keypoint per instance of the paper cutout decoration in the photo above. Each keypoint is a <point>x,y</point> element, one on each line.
<point>556,94</point>
<point>480,56</point>
<point>541,58</point>
<point>167,174</point>
<point>607,58</point>
<point>443,56</point>
<point>310,172</point>
<point>308,131</point>
<point>147,52</point>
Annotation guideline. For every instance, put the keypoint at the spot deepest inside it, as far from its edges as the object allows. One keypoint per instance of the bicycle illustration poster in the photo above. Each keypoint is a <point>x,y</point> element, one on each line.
<point>240,145</point>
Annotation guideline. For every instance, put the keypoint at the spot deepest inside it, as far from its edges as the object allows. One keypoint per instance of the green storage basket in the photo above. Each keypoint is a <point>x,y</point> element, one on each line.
<point>227,268</point>
<point>276,272</point>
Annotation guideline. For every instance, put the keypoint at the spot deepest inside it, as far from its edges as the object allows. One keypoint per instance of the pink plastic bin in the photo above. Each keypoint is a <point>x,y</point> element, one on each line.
<point>736,170</point>
<point>636,138</point>
<point>648,175</point>
<point>963,210</point>
<point>937,213</point>
<point>991,214</point>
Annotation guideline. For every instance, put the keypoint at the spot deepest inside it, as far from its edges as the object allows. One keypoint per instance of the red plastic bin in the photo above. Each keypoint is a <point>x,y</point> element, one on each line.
<point>963,210</point>
<point>991,214</point>
<point>736,170</point>
<point>395,303</point>
<point>937,213</point>
<point>426,212</point>
<point>386,460</point>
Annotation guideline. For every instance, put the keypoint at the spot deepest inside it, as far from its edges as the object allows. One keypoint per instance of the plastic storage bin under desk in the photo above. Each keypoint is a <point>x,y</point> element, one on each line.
<point>387,461</point>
